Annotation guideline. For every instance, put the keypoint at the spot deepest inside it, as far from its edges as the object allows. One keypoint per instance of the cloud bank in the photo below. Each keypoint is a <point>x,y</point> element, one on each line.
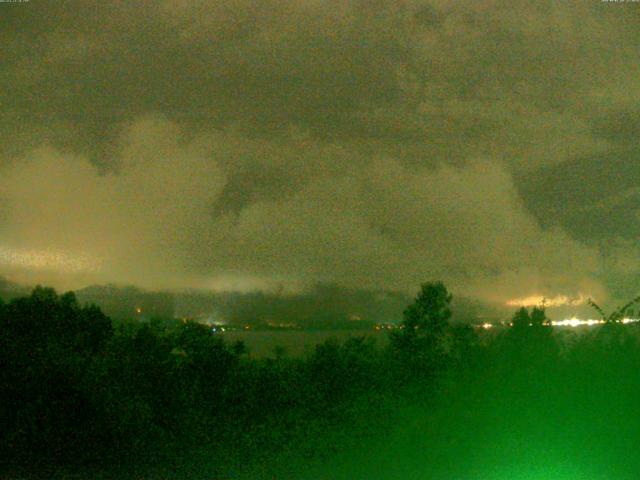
<point>236,146</point>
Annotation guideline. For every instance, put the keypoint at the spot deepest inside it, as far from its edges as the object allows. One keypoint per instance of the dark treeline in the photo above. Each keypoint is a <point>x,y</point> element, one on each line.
<point>80,395</point>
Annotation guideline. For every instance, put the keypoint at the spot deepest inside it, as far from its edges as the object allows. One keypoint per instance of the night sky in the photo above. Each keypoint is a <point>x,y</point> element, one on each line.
<point>240,146</point>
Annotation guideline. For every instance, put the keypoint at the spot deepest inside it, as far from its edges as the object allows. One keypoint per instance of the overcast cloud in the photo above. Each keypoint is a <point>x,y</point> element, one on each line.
<point>245,145</point>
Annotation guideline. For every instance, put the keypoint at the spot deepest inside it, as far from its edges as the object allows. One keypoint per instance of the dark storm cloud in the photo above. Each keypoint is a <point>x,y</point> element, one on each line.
<point>364,69</point>
<point>213,62</point>
<point>593,197</point>
<point>619,126</point>
<point>240,145</point>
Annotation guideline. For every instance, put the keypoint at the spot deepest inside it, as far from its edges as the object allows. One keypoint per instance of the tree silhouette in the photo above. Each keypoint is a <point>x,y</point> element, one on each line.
<point>521,319</point>
<point>536,318</point>
<point>430,311</point>
<point>419,343</point>
<point>529,344</point>
<point>539,317</point>
<point>617,315</point>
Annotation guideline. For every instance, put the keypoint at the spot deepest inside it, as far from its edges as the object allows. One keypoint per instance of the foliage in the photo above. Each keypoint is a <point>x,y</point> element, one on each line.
<point>535,318</point>
<point>163,398</point>
<point>617,315</point>
<point>430,312</point>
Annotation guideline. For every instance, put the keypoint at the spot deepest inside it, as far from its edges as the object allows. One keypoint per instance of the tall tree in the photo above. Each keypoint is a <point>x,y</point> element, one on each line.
<point>430,311</point>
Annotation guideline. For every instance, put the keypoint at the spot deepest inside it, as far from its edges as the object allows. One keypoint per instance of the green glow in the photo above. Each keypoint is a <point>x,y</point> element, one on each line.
<point>537,470</point>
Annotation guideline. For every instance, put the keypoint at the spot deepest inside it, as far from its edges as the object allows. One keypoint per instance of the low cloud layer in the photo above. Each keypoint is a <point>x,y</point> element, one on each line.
<point>239,147</point>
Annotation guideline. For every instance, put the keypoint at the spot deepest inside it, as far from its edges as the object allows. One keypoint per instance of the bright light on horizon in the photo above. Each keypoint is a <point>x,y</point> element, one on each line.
<point>570,322</point>
<point>575,322</point>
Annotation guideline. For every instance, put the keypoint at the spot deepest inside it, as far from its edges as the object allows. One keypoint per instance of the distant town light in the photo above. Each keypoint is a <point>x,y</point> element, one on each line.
<point>575,322</point>
<point>569,322</point>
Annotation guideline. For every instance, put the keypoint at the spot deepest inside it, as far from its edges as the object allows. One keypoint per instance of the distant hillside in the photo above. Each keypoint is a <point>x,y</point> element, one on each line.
<point>9,289</point>
<point>323,306</point>
<point>123,302</point>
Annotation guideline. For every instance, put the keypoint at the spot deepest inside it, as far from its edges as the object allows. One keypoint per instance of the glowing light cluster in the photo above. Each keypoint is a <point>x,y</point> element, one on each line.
<point>575,322</point>
<point>569,322</point>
